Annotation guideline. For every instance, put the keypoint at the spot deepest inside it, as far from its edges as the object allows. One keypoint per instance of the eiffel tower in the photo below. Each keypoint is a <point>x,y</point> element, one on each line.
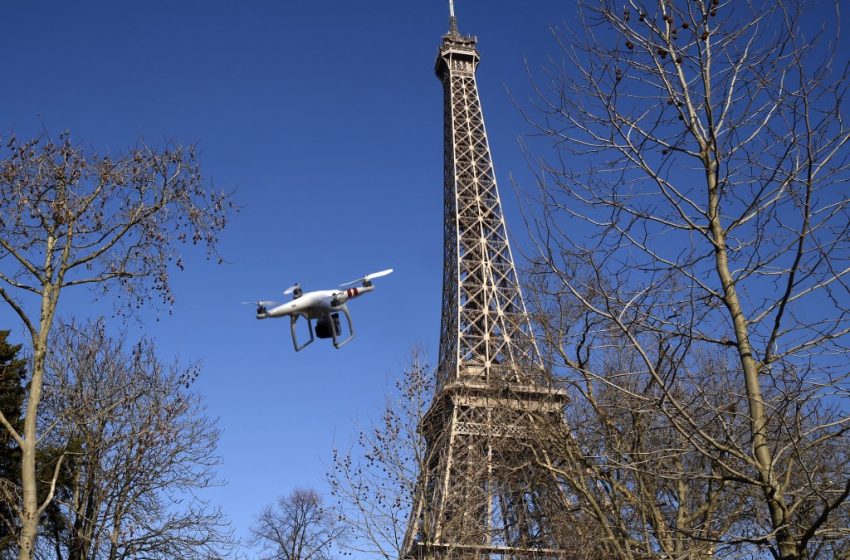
<point>480,493</point>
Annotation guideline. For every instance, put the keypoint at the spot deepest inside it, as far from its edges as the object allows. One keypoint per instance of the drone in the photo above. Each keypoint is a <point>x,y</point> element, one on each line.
<point>322,306</point>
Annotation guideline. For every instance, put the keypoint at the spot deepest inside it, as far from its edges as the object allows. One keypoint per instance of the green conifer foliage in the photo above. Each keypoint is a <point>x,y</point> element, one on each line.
<point>12,379</point>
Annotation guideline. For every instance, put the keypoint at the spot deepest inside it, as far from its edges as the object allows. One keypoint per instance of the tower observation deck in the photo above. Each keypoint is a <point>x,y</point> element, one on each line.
<point>481,492</point>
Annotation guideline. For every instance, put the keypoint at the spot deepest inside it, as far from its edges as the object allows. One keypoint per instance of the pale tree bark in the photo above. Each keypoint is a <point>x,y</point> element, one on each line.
<point>695,205</point>
<point>71,217</point>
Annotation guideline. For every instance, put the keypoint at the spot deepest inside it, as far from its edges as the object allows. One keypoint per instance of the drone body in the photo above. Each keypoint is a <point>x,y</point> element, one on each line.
<point>322,306</point>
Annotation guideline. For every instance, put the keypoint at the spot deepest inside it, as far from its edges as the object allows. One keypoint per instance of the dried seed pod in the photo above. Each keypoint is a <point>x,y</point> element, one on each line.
<point>670,101</point>
<point>661,52</point>
<point>685,25</point>
<point>678,60</point>
<point>642,16</point>
<point>713,13</point>
<point>665,151</point>
<point>630,45</point>
<point>704,36</point>
<point>681,118</point>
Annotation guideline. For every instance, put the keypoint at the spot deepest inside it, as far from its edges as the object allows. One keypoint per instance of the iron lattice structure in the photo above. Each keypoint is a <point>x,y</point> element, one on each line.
<point>481,492</point>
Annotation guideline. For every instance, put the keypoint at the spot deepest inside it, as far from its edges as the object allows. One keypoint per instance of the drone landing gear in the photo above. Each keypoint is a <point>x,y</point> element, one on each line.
<point>337,331</point>
<point>299,347</point>
<point>327,326</point>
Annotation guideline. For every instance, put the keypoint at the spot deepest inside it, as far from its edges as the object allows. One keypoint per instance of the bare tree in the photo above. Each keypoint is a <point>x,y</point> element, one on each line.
<point>695,207</point>
<point>639,488</point>
<point>375,479</point>
<point>297,527</point>
<point>72,217</point>
<point>139,452</point>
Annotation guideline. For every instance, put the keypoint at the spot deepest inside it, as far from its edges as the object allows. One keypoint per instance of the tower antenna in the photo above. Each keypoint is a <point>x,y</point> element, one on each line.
<point>452,21</point>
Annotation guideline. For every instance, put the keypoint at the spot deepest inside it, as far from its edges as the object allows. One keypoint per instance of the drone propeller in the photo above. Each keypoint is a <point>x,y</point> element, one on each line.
<point>261,303</point>
<point>368,278</point>
<point>291,289</point>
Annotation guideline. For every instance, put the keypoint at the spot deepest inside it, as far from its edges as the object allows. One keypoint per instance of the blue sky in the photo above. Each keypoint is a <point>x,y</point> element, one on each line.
<point>326,119</point>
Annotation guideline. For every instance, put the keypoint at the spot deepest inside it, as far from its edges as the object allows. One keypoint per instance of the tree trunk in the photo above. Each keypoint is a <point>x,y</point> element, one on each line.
<point>30,512</point>
<point>755,401</point>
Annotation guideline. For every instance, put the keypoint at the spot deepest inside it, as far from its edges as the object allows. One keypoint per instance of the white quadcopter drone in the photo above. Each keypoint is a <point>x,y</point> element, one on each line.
<point>323,306</point>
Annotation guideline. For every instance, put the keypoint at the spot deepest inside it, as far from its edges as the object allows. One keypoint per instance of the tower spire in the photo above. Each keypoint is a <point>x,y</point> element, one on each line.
<point>452,20</point>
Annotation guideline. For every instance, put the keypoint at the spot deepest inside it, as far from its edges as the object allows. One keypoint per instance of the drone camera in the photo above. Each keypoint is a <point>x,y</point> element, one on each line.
<point>326,323</point>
